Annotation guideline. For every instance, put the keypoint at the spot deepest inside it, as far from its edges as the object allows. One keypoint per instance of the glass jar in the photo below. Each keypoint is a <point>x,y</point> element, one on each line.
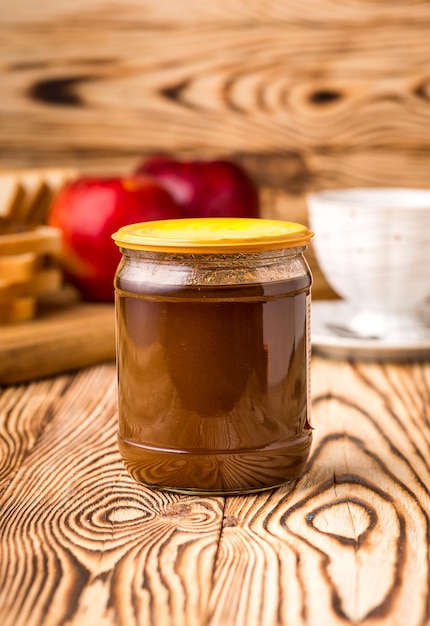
<point>213,348</point>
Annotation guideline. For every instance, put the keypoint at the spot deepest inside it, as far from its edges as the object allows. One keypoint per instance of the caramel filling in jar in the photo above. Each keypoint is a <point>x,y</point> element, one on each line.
<point>212,323</point>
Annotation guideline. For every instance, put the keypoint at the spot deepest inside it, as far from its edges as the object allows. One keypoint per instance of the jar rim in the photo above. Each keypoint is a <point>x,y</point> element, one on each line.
<point>212,234</point>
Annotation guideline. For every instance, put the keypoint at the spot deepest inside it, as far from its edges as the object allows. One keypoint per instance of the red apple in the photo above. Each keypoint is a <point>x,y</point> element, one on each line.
<point>206,188</point>
<point>88,211</point>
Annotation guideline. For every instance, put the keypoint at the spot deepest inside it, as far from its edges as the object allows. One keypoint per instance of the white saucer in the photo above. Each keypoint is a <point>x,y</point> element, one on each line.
<point>327,342</point>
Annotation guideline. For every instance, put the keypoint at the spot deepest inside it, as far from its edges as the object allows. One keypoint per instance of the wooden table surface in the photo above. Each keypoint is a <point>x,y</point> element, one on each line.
<point>348,543</point>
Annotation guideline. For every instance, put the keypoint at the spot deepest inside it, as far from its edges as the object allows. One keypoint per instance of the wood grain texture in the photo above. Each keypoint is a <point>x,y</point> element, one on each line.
<point>220,12</point>
<point>249,89</point>
<point>345,544</point>
<point>23,420</point>
<point>337,90</point>
<point>59,339</point>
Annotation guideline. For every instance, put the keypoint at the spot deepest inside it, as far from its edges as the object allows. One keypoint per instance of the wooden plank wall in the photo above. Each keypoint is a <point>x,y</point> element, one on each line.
<point>306,95</point>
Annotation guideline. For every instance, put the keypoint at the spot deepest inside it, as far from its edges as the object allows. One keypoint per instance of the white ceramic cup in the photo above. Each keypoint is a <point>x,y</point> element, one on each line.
<point>373,246</point>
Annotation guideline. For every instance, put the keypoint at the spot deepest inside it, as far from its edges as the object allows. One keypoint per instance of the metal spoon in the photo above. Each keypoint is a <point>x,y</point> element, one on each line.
<point>344,331</point>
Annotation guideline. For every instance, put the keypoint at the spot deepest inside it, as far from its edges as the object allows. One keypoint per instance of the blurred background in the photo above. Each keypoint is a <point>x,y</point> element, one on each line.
<point>305,95</point>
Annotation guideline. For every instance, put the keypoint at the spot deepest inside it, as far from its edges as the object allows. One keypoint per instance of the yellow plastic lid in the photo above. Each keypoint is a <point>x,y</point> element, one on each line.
<point>212,234</point>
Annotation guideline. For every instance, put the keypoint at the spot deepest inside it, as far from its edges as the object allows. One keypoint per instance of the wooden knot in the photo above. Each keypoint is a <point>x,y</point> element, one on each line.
<point>330,517</point>
<point>324,96</point>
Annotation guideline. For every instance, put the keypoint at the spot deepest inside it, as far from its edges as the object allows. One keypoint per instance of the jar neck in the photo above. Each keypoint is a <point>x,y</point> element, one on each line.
<point>213,269</point>
<point>238,259</point>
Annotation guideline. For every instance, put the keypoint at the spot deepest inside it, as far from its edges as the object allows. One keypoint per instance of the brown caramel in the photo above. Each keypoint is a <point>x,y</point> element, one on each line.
<point>213,391</point>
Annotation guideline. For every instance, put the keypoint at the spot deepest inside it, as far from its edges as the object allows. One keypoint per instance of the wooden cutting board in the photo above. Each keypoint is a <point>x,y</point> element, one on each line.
<point>59,339</point>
